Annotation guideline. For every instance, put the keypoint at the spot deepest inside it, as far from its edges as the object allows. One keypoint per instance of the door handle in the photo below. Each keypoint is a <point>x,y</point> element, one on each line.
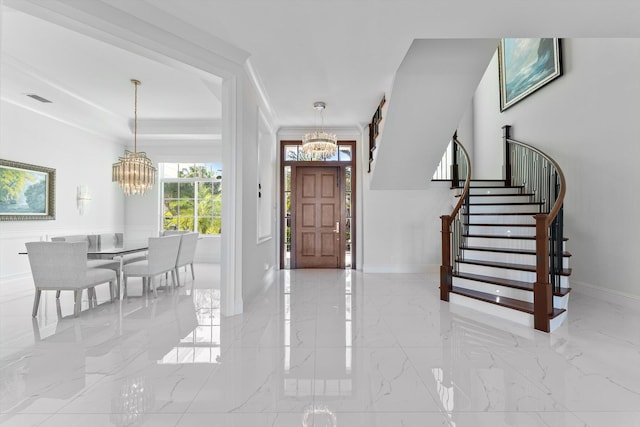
<point>337,229</point>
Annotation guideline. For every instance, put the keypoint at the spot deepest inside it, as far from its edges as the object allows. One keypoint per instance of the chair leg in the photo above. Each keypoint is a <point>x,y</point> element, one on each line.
<point>153,285</point>
<point>111,290</point>
<point>193,275</point>
<point>57,294</point>
<point>78,304</point>
<point>124,284</point>
<point>91,296</point>
<point>116,294</point>
<point>176,282</point>
<point>36,302</point>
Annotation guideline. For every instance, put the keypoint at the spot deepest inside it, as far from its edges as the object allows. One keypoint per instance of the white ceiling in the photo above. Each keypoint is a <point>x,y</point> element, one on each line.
<point>344,52</point>
<point>88,82</point>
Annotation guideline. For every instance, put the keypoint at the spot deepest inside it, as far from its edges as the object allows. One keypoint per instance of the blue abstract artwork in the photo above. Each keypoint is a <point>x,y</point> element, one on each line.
<point>525,66</point>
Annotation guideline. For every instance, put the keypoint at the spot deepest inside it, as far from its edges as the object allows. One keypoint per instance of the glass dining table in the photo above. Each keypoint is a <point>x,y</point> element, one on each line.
<point>117,251</point>
<point>103,251</point>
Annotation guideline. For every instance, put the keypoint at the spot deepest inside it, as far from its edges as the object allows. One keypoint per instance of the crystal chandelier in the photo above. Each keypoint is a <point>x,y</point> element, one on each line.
<point>319,143</point>
<point>134,172</point>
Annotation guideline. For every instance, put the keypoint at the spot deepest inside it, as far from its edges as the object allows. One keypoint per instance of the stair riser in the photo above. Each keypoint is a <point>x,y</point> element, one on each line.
<point>501,198</point>
<point>487,184</point>
<point>500,219</point>
<point>502,230</point>
<point>496,190</point>
<point>504,243</point>
<point>505,257</point>
<point>503,208</point>
<point>503,312</point>
<point>505,273</point>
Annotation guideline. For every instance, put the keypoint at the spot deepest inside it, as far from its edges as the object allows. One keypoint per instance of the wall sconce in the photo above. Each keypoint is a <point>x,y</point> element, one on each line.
<point>83,198</point>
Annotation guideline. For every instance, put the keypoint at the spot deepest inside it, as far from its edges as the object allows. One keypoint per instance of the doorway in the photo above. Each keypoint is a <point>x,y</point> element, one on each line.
<point>317,208</point>
<point>317,218</point>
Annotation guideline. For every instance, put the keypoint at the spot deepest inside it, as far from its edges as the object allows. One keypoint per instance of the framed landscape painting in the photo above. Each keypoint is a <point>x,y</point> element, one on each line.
<point>27,192</point>
<point>525,65</point>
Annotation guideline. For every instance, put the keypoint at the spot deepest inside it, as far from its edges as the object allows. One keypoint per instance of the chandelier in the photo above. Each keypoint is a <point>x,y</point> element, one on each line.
<point>319,143</point>
<point>134,172</point>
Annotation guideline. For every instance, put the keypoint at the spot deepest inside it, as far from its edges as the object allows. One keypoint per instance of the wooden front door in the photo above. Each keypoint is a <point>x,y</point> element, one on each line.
<point>317,218</point>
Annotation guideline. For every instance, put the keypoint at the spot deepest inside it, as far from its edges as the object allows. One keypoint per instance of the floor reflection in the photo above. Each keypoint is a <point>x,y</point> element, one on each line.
<point>315,348</point>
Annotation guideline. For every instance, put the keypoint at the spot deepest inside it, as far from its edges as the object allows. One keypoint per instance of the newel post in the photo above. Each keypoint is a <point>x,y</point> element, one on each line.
<point>446,271</point>
<point>506,135</point>
<point>542,292</point>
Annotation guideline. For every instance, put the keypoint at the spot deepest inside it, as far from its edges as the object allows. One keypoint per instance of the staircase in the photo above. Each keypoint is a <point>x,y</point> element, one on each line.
<point>496,266</point>
<point>503,249</point>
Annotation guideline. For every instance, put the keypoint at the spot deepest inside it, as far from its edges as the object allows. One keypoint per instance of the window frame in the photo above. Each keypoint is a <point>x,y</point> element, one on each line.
<point>195,181</point>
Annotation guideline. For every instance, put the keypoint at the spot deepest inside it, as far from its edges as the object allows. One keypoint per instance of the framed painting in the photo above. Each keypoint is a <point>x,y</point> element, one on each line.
<point>27,192</point>
<point>526,65</point>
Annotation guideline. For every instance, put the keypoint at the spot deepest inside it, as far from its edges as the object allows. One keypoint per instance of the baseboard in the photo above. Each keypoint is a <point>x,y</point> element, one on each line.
<point>608,295</point>
<point>8,278</point>
<point>400,268</point>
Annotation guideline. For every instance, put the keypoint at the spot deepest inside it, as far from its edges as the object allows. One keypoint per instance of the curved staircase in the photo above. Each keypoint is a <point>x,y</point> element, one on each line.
<point>496,267</point>
<point>503,248</point>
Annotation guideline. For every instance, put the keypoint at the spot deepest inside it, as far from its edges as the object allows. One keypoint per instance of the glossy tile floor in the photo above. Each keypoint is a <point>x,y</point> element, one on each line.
<point>319,348</point>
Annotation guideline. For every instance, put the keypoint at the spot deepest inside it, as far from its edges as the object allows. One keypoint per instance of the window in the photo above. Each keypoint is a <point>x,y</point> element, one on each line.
<point>191,197</point>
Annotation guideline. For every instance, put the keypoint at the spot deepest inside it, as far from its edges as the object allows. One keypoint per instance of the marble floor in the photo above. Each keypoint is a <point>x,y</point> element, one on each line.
<point>318,348</point>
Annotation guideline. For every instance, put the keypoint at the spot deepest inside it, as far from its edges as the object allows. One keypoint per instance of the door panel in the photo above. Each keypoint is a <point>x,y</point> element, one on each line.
<point>318,207</point>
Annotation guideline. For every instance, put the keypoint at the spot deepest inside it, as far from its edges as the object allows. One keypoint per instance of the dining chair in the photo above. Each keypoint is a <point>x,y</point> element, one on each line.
<point>174,232</point>
<point>93,241</point>
<point>187,252</point>
<point>161,258</point>
<point>63,266</point>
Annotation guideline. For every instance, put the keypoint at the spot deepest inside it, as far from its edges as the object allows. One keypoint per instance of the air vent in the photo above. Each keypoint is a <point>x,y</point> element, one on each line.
<point>38,98</point>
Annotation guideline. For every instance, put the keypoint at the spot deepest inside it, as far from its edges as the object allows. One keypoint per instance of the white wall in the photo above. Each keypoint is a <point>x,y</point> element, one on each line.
<point>402,229</point>
<point>79,158</point>
<point>258,254</point>
<point>589,121</point>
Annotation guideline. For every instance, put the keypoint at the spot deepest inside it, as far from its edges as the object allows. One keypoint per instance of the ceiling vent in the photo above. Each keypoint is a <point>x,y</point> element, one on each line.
<point>37,97</point>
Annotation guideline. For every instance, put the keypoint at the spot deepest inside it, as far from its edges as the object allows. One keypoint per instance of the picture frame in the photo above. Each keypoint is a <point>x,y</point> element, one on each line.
<point>27,192</point>
<point>526,65</point>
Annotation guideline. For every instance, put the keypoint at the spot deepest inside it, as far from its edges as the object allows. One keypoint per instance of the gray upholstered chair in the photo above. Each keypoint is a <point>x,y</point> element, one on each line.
<point>63,266</point>
<point>187,252</point>
<point>161,258</point>
<point>93,240</point>
<point>174,232</point>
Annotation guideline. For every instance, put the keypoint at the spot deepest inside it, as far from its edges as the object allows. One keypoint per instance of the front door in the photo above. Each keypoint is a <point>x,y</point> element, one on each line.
<point>317,218</point>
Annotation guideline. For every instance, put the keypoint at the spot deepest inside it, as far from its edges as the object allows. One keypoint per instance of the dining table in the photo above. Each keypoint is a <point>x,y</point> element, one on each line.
<point>117,251</point>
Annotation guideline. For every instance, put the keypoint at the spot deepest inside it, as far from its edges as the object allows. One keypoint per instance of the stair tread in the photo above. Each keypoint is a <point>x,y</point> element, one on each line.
<point>487,224</point>
<point>509,266</point>
<point>498,194</point>
<point>509,283</point>
<point>505,203</point>
<point>490,187</point>
<point>565,254</point>
<point>496,236</point>
<point>512,303</point>
<point>500,213</point>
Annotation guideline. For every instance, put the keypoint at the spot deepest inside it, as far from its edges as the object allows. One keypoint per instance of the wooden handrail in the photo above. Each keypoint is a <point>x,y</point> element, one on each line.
<point>446,269</point>
<point>542,288</point>
<point>563,183</point>
<point>467,182</point>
